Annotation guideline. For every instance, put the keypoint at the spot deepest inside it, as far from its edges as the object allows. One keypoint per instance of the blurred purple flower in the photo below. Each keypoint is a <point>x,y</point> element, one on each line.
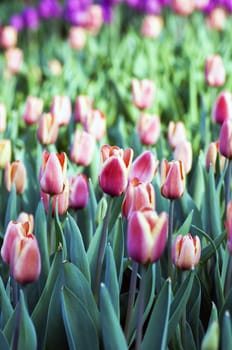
<point>17,22</point>
<point>30,17</point>
<point>49,9</point>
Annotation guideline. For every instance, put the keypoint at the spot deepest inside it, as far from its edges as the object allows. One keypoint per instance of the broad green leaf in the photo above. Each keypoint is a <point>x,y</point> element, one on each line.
<point>113,337</point>
<point>226,332</point>
<point>4,345</point>
<point>211,248</point>
<point>118,248</point>
<point>6,307</point>
<point>197,185</point>
<point>11,210</point>
<point>115,211</point>
<point>92,252</point>
<point>157,330</point>
<point>186,225</point>
<point>190,340</point>
<point>193,309</point>
<point>111,280</point>
<point>80,329</point>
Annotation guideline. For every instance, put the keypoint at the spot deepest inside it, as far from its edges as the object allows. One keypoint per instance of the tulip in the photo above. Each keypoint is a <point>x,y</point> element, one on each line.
<point>60,200</point>
<point>152,26</point>
<point>144,167</point>
<point>15,174</point>
<point>25,217</point>
<point>48,129</point>
<point>143,93</point>
<point>5,152</point>
<point>172,179</point>
<point>211,155</point>
<point>25,261</point>
<point>138,196</point>
<point>201,4</point>
<point>148,128</point>
<point>82,148</point>
<point>61,109</point>
<point>77,38</point>
<point>33,110</point>
<point>215,74</point>
<point>216,19</point>
<point>176,133</point>
<point>53,172</point>
<point>95,18</point>
<point>146,235</point>
<point>95,124</point>
<point>14,229</point>
<point>183,151</point>
<point>225,139</point>
<point>2,117</point>
<point>116,162</point>
<point>14,60</point>
<point>55,67</point>
<point>83,107</point>
<point>186,251</point>
<point>228,225</point>
<point>183,7</point>
<point>78,191</point>
<point>8,37</point>
<point>222,109</point>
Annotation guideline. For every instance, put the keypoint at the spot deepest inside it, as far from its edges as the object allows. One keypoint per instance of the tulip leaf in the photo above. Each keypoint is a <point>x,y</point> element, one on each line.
<point>115,211</point>
<point>197,185</point>
<point>113,337</point>
<point>92,252</point>
<point>156,332</point>
<point>6,307</point>
<point>111,280</point>
<point>59,233</point>
<point>118,248</point>
<point>190,342</point>
<point>75,247</point>
<point>4,345</point>
<point>80,329</point>
<point>193,308</point>
<point>226,332</point>
<point>186,225</point>
<point>11,210</point>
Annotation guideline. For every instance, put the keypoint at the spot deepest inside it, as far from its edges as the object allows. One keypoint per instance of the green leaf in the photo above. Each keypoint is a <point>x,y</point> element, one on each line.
<point>59,233</point>
<point>190,341</point>
<point>75,247</point>
<point>6,307</point>
<point>193,309</point>
<point>211,248</point>
<point>115,211</point>
<point>157,329</point>
<point>11,210</point>
<point>113,337</point>
<point>111,281</point>
<point>186,225</point>
<point>80,329</point>
<point>118,248</point>
<point>4,345</point>
<point>197,186</point>
<point>92,252</point>
<point>226,332</point>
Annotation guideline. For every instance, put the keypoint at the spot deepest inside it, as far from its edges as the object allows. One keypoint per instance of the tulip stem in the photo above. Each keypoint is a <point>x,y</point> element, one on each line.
<point>139,331</point>
<point>131,298</point>
<point>101,250</point>
<point>227,183</point>
<point>170,230</point>
<point>16,328</point>
<point>183,321</point>
<point>15,291</point>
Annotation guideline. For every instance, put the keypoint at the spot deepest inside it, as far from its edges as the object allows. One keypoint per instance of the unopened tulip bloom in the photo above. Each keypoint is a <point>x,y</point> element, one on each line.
<point>183,151</point>
<point>228,225</point>
<point>13,230</point>
<point>172,179</point>
<point>211,155</point>
<point>116,163</point>
<point>83,107</point>
<point>48,129</point>
<point>78,191</point>
<point>55,67</point>
<point>8,37</point>
<point>139,195</point>
<point>33,110</point>
<point>26,217</point>
<point>14,60</point>
<point>216,19</point>
<point>144,167</point>
<point>143,93</point>
<point>183,7</point>
<point>53,172</point>
<point>60,200</point>
<point>186,251</point>
<point>95,124</point>
<point>222,109</point>
<point>15,174</point>
<point>95,18</point>
<point>5,152</point>
<point>146,235</point>
<point>225,139</point>
<point>61,109</point>
<point>148,128</point>
<point>82,148</point>
<point>176,133</point>
<point>2,117</point>
<point>77,38</point>
<point>152,26</point>
<point>215,74</point>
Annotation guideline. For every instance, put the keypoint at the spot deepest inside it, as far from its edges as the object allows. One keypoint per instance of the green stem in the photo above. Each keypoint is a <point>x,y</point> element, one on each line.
<point>228,277</point>
<point>183,321</point>
<point>49,224</point>
<point>227,183</point>
<point>131,298</point>
<point>101,250</point>
<point>170,231</point>
<point>142,287</point>
<point>15,291</point>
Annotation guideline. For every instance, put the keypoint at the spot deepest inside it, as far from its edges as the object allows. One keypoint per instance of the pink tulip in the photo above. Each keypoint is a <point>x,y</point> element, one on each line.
<point>172,179</point>
<point>48,129</point>
<point>60,200</point>
<point>146,235</point>
<point>228,225</point>
<point>33,110</point>
<point>215,74</point>
<point>61,109</point>
<point>211,155</point>
<point>15,174</point>
<point>183,7</point>
<point>148,128</point>
<point>14,229</point>
<point>225,139</point>
<point>176,133</point>
<point>95,18</point>
<point>216,19</point>
<point>2,117</point>
<point>82,148</point>
<point>144,167</point>
<point>53,172</point>
<point>152,26</point>
<point>25,217</point>
<point>5,152</point>
<point>8,37</point>
<point>78,191</point>
<point>113,176</point>
<point>83,107</point>
<point>186,251</point>
<point>143,93</point>
<point>138,196</point>
<point>95,124</point>
<point>222,109</point>
<point>14,60</point>
<point>77,38</point>
<point>183,151</point>
<point>201,4</point>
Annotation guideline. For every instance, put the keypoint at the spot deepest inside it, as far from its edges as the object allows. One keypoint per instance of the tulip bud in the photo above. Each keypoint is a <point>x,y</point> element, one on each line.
<point>53,172</point>
<point>14,229</point>
<point>15,173</point>
<point>116,162</point>
<point>144,167</point>
<point>183,151</point>
<point>176,133</point>
<point>222,109</point>
<point>138,196</point>
<point>5,152</point>
<point>95,124</point>
<point>61,109</point>
<point>152,26</point>
<point>225,139</point>
<point>216,19</point>
<point>228,225</point>
<point>215,74</point>
<point>8,37</point>
<point>172,179</point>
<point>101,210</point>
<point>211,157</point>
<point>77,38</point>
<point>14,60</point>
<point>148,129</point>
<point>48,129</point>
<point>79,191</point>
<point>83,107</point>
<point>82,148</point>
<point>146,235</point>
<point>143,93</point>
<point>186,251</point>
<point>95,18</point>
<point>60,200</point>
<point>2,117</point>
<point>25,217</point>
<point>183,7</point>
<point>33,110</point>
